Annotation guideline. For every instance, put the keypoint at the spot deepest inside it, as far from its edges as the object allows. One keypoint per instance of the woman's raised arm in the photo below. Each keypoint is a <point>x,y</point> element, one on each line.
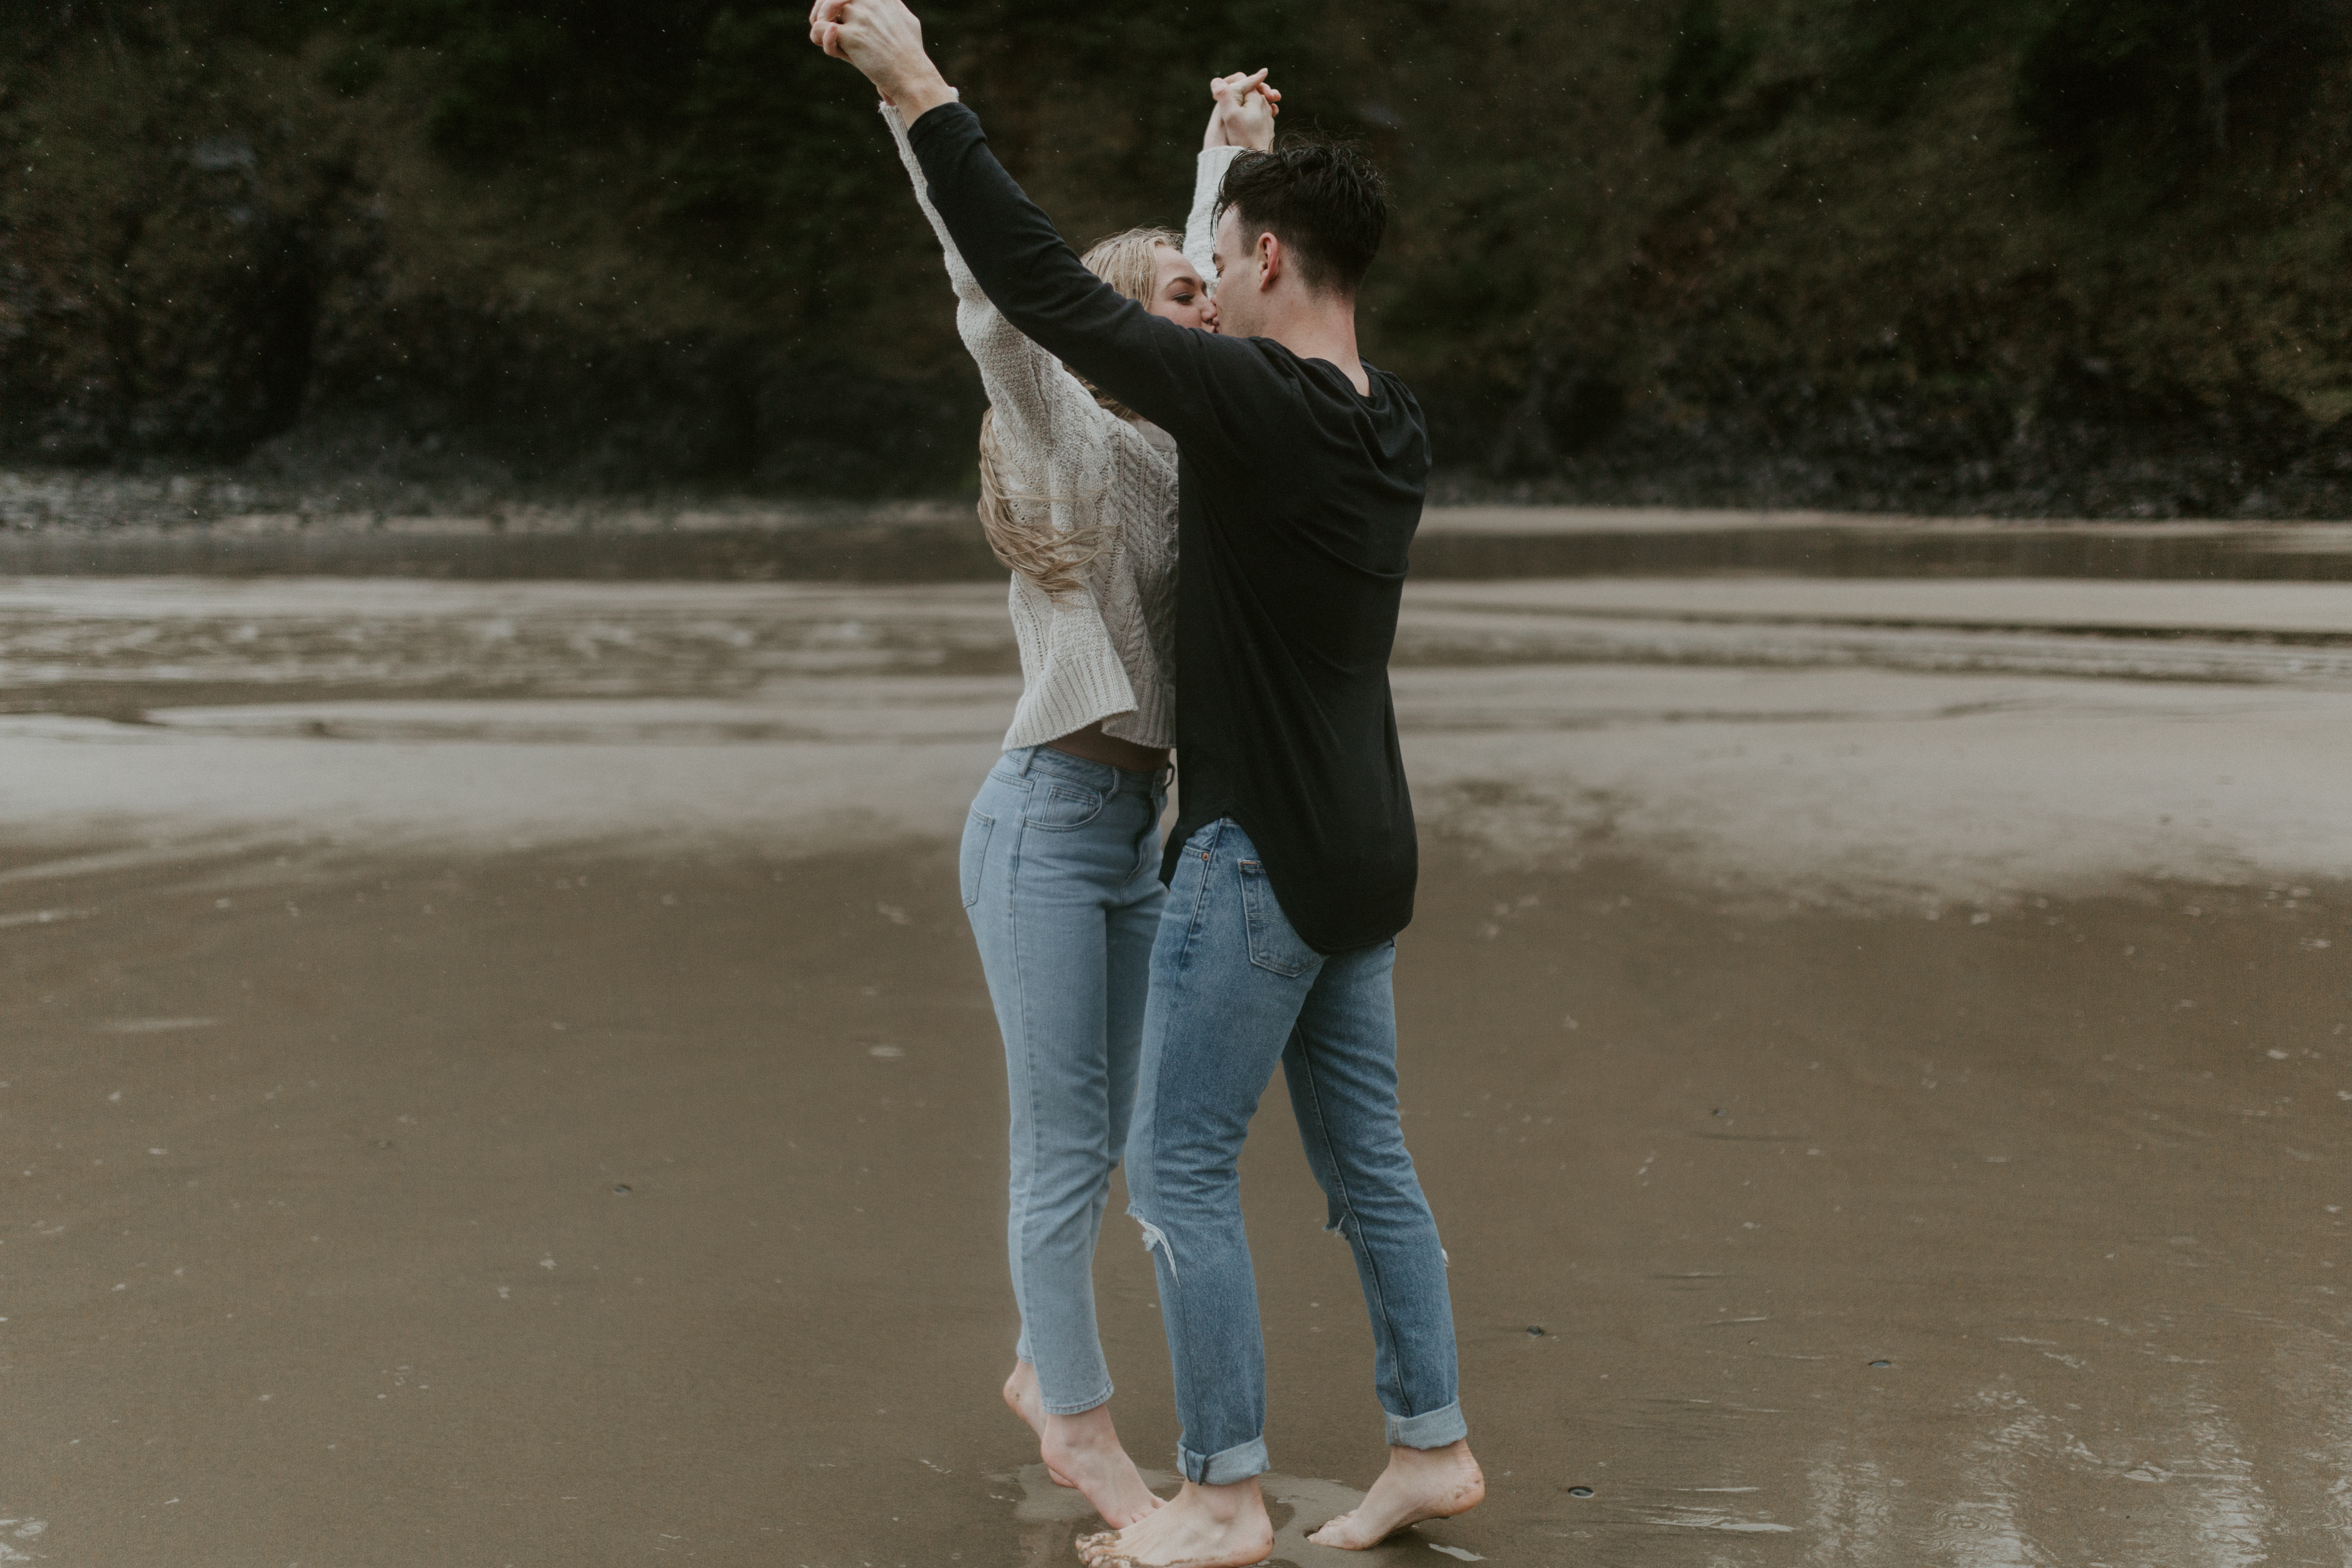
<point>1042,410</point>
<point>1241,120</point>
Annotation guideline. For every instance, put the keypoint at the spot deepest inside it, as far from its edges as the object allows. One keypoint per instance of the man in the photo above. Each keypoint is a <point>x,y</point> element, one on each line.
<point>1292,862</point>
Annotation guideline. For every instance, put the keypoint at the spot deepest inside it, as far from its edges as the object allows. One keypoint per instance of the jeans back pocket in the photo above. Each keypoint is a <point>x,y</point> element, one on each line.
<point>1272,945</point>
<point>972,858</point>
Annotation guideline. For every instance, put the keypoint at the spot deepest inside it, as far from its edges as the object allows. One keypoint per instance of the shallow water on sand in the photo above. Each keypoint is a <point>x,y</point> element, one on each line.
<point>743,541</point>
<point>1894,740</point>
<point>497,1074</point>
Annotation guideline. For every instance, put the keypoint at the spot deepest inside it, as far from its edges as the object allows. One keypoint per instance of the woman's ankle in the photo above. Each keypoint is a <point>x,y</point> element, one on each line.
<point>1091,1428</point>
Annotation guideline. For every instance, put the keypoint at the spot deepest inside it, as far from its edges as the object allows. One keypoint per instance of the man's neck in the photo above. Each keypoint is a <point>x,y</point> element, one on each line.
<point>1324,331</point>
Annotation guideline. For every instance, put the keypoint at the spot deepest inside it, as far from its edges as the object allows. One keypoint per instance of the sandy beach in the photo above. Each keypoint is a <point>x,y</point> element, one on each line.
<point>496,1073</point>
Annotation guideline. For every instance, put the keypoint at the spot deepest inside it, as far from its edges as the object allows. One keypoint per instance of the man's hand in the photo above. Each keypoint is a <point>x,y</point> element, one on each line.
<point>1244,111</point>
<point>883,39</point>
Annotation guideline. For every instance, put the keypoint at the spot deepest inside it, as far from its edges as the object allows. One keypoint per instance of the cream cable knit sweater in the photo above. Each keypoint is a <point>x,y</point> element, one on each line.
<point>1108,652</point>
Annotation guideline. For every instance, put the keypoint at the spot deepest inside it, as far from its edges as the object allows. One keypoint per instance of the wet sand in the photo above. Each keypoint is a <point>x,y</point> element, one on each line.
<point>537,1106</point>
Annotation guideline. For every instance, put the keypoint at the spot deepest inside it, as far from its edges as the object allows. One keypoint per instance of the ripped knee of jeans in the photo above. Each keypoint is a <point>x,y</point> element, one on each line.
<point>1155,1237</point>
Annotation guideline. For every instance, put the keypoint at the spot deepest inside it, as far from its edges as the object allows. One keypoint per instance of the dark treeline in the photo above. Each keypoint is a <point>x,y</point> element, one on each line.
<point>1943,255</point>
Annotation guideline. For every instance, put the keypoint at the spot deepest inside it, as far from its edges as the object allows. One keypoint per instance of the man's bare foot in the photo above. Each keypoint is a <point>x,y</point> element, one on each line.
<point>1020,1393</point>
<point>1420,1483</point>
<point>1199,1526</point>
<point>1085,1448</point>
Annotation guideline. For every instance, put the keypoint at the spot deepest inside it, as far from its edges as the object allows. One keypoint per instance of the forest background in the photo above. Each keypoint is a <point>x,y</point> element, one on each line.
<point>2014,256</point>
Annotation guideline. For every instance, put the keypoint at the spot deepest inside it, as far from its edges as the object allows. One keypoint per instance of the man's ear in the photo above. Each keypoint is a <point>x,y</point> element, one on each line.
<point>1271,260</point>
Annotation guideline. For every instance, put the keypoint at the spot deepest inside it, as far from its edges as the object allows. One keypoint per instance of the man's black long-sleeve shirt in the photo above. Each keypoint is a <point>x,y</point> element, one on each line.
<point>1297,498</point>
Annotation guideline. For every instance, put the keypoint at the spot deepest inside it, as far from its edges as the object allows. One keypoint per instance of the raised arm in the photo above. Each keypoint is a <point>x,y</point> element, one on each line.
<point>1158,369</point>
<point>1155,367</point>
<point>1201,223</point>
<point>1039,405</point>
<point>960,276</point>
<point>1241,117</point>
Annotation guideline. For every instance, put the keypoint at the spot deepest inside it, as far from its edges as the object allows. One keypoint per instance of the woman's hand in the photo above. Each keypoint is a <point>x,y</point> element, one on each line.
<point>1243,113</point>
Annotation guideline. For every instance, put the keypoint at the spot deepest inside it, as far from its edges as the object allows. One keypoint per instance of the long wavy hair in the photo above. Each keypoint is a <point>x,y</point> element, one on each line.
<point>1019,526</point>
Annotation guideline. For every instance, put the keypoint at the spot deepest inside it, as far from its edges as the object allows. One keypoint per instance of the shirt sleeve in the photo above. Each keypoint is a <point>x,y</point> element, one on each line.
<point>1043,417</point>
<point>1201,225</point>
<point>1190,383</point>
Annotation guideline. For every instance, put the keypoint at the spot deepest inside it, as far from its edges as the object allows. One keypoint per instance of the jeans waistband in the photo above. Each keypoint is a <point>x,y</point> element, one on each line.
<point>1026,760</point>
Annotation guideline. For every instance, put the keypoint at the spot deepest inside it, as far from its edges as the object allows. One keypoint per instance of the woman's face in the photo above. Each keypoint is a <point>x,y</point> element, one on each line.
<point>1180,296</point>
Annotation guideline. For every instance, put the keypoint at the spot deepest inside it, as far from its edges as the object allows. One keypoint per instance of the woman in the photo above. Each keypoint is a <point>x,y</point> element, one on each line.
<point>1060,857</point>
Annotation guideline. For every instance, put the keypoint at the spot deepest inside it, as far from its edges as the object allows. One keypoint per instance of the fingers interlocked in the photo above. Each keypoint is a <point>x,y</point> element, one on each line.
<point>825,19</point>
<point>1232,91</point>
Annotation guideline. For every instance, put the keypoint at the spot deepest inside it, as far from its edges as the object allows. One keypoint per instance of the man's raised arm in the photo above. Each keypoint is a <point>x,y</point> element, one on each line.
<point>1155,367</point>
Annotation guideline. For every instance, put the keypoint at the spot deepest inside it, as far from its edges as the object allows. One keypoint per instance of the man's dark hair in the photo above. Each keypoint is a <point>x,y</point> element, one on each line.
<point>1324,200</point>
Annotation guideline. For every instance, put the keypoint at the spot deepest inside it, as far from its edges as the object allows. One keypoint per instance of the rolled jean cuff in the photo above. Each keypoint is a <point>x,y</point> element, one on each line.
<point>1430,1429</point>
<point>1223,1468</point>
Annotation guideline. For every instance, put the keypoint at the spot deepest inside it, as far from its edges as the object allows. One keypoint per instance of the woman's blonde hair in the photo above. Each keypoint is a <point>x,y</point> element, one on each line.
<point>1019,531</point>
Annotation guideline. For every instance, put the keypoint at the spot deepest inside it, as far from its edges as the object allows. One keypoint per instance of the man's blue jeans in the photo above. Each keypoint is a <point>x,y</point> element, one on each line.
<point>1234,989</point>
<point>1060,869</point>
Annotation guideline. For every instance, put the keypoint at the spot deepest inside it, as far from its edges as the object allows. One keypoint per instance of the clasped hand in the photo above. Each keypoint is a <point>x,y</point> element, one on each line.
<point>1243,116</point>
<point>884,39</point>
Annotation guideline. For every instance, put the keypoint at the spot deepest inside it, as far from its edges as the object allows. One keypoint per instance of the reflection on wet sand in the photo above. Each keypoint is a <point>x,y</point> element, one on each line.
<point>1976,1244</point>
<point>528,1097</point>
<point>1926,743</point>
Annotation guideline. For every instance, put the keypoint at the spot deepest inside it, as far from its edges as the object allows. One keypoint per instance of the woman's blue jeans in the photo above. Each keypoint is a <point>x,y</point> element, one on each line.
<point>1233,991</point>
<point>1060,872</point>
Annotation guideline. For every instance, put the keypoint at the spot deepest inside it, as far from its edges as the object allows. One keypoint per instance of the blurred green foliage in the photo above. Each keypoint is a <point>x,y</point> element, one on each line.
<point>1952,224</point>
<point>1891,53</point>
<point>510,70</point>
<point>2168,81</point>
<point>1703,65</point>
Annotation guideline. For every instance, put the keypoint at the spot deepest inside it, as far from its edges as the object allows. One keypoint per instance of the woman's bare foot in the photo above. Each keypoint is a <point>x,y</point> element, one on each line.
<point>1082,1452</point>
<point>1199,1526</point>
<point>1420,1483</point>
<point>1085,1448</point>
<point>1020,1393</point>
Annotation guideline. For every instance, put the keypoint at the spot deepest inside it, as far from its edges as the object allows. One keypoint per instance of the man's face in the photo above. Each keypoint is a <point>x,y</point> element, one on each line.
<point>1180,295</point>
<point>1238,299</point>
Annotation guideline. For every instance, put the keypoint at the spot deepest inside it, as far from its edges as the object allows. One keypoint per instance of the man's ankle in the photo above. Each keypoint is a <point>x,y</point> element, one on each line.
<point>1230,1501</point>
